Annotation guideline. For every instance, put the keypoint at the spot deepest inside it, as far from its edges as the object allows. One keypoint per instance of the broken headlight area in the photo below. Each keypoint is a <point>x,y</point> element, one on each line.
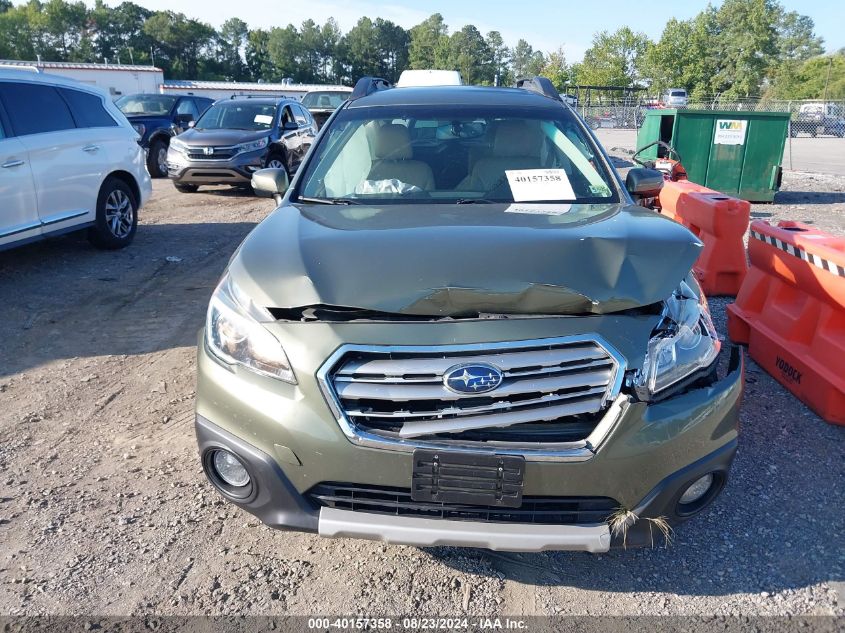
<point>683,347</point>
<point>235,335</point>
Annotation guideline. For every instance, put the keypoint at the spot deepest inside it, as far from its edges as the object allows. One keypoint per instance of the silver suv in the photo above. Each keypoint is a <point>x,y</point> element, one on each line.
<point>236,137</point>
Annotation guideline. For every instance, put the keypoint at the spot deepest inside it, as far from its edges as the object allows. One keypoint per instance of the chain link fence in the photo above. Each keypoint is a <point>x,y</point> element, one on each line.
<point>809,118</point>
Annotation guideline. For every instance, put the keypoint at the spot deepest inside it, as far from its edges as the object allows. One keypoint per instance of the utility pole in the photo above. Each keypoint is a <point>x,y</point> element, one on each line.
<point>827,81</point>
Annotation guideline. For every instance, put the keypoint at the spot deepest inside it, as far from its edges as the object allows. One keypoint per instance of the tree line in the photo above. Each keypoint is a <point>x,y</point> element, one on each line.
<point>742,49</point>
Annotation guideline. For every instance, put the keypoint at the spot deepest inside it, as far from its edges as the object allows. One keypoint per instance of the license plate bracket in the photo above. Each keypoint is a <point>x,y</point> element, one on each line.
<point>467,478</point>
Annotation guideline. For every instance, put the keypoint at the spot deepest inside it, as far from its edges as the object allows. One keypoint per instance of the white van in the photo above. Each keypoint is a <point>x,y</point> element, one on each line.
<point>675,98</point>
<point>69,160</point>
<point>410,78</point>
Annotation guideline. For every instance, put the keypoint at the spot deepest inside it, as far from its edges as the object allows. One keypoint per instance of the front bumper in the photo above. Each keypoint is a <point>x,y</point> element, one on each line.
<point>235,171</point>
<point>650,457</point>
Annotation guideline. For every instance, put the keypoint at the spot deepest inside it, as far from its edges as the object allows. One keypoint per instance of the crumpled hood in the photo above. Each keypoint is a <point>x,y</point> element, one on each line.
<point>460,260</point>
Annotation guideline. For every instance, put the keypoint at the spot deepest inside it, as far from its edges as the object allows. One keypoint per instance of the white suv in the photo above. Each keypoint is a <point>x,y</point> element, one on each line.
<point>69,160</point>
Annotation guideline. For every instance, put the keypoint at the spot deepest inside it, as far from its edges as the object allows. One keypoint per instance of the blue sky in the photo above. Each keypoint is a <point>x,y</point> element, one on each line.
<point>547,24</point>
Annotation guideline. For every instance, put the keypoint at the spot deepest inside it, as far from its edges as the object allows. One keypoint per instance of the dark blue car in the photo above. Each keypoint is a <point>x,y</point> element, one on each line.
<point>158,118</point>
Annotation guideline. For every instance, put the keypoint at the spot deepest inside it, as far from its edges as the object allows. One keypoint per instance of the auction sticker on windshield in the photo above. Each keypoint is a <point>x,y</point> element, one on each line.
<point>535,185</point>
<point>266,119</point>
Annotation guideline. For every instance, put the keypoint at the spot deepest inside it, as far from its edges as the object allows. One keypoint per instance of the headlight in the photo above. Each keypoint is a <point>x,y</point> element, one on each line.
<point>683,343</point>
<point>140,128</point>
<point>234,334</point>
<point>254,145</point>
<point>178,145</point>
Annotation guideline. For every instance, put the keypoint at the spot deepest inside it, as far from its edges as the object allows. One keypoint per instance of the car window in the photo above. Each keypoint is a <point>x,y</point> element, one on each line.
<point>203,104</point>
<point>325,99</point>
<point>446,154</point>
<point>300,116</point>
<point>87,109</point>
<point>238,115</point>
<point>287,116</point>
<point>35,108</point>
<point>155,105</point>
<point>187,106</point>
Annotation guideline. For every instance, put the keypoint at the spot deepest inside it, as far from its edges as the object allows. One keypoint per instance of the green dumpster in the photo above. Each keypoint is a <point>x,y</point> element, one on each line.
<point>738,153</point>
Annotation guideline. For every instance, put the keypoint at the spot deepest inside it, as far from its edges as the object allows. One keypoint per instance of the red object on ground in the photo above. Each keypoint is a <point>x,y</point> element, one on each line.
<point>720,222</point>
<point>791,312</point>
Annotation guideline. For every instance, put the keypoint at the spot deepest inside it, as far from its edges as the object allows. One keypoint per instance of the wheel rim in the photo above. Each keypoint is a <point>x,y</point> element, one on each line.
<point>162,160</point>
<point>119,213</point>
<point>275,163</point>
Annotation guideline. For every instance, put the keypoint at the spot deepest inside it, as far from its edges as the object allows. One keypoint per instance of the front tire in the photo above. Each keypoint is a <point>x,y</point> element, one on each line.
<point>276,160</point>
<point>117,216</point>
<point>157,159</point>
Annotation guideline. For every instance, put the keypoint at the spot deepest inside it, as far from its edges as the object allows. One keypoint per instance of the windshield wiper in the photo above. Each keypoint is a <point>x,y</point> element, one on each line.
<point>327,200</point>
<point>475,201</point>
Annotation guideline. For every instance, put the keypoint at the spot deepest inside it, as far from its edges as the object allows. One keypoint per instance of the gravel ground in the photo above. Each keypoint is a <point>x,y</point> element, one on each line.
<point>104,509</point>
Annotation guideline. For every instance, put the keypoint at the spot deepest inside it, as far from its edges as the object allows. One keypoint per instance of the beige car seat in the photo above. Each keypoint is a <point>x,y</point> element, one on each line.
<point>393,158</point>
<point>516,145</point>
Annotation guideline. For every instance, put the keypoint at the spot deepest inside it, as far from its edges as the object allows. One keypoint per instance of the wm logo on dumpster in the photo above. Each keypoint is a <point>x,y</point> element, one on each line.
<point>730,125</point>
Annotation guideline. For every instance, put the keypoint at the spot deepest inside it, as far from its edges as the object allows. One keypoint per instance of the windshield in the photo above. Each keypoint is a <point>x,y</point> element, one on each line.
<point>146,104</point>
<point>238,115</point>
<point>678,93</point>
<point>457,155</point>
<point>328,99</point>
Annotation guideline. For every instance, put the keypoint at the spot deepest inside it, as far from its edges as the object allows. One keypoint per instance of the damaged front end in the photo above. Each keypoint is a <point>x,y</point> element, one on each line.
<point>683,347</point>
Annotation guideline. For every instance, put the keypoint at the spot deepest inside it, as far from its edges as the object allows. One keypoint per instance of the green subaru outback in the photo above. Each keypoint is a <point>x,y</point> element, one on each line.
<point>459,328</point>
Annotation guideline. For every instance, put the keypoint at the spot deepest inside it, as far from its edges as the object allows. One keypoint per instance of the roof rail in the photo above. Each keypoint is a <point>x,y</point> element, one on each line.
<point>367,86</point>
<point>540,85</point>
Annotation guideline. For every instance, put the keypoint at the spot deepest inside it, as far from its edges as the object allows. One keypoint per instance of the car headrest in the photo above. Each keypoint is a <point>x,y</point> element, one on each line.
<point>392,142</point>
<point>517,138</point>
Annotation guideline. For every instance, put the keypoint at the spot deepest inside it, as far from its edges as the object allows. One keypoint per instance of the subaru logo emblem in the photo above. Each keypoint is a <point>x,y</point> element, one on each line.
<point>472,378</point>
<point>207,150</point>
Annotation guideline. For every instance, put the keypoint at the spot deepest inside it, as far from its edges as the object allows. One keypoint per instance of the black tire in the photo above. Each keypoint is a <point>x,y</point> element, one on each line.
<point>157,158</point>
<point>182,188</point>
<point>277,157</point>
<point>117,215</point>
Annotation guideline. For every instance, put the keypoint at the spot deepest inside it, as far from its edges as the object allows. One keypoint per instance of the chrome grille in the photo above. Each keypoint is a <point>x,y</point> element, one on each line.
<point>218,153</point>
<point>553,391</point>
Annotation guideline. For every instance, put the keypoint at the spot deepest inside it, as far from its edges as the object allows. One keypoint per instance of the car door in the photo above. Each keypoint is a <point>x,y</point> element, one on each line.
<point>290,138</point>
<point>307,129</point>
<point>66,162</point>
<point>19,209</point>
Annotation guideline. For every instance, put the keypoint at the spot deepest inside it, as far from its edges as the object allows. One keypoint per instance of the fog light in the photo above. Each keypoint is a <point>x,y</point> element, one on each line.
<point>230,469</point>
<point>697,490</point>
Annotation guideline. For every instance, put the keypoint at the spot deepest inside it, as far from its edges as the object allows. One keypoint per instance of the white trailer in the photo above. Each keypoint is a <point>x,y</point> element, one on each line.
<point>226,89</point>
<point>116,79</point>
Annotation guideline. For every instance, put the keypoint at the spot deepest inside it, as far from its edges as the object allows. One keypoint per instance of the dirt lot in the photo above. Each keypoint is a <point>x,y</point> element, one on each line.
<point>104,509</point>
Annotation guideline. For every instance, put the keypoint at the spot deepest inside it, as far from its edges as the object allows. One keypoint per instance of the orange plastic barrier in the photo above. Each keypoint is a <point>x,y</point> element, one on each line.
<point>791,312</point>
<point>720,222</point>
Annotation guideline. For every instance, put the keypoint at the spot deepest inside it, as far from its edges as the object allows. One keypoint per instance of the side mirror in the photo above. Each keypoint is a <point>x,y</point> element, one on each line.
<point>270,183</point>
<point>644,183</point>
<point>290,125</point>
<point>184,119</point>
